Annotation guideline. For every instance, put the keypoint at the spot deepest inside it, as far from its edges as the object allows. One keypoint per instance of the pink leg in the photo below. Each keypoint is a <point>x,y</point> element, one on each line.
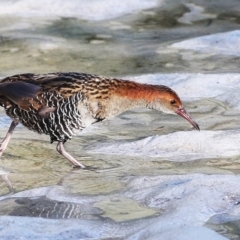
<point>4,143</point>
<point>62,151</point>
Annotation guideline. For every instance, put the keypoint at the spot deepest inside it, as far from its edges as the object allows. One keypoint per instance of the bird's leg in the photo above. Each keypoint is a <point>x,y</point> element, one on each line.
<point>62,151</point>
<point>4,143</point>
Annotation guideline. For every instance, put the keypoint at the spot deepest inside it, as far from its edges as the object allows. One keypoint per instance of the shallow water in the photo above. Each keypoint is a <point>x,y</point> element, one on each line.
<point>128,195</point>
<point>34,157</point>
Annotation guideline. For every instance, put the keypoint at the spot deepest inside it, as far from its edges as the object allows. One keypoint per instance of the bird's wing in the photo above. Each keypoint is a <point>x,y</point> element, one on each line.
<point>36,86</point>
<point>19,92</point>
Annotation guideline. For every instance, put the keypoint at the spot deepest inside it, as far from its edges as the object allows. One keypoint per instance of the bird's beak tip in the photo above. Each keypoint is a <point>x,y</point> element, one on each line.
<point>197,128</point>
<point>183,113</point>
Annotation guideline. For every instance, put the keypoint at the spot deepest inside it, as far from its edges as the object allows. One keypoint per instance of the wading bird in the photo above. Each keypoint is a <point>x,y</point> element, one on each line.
<point>62,104</point>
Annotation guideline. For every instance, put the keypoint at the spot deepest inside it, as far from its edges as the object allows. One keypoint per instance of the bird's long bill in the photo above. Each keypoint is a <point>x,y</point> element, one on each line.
<point>183,113</point>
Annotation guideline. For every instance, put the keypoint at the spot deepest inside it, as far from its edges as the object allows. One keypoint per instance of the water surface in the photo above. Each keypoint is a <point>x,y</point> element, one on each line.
<point>109,192</point>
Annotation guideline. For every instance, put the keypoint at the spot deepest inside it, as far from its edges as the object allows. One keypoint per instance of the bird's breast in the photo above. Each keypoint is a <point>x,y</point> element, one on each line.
<point>88,113</point>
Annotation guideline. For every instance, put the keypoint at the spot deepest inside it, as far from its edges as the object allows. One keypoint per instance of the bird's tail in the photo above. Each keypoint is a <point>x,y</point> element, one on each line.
<point>19,92</point>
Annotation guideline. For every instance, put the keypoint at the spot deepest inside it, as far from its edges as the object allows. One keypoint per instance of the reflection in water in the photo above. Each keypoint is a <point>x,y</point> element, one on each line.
<point>5,178</point>
<point>4,175</point>
<point>47,208</point>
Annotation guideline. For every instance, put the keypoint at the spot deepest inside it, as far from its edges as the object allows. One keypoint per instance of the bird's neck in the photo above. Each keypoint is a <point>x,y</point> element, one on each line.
<point>134,95</point>
<point>127,95</point>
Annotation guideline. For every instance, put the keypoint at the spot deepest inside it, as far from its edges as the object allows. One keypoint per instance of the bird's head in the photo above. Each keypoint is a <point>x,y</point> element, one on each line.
<point>167,100</point>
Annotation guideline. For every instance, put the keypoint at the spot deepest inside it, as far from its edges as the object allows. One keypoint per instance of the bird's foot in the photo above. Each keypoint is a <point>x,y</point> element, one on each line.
<point>86,168</point>
<point>80,166</point>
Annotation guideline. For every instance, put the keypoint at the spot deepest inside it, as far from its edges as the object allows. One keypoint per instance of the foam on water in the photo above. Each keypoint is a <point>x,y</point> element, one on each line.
<point>180,146</point>
<point>85,9</point>
<point>227,43</point>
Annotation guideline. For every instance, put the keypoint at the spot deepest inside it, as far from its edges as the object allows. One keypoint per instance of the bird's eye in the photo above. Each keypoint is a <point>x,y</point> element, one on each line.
<point>173,101</point>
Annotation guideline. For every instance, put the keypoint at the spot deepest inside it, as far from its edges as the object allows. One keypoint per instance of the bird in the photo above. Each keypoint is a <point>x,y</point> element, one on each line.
<point>61,104</point>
